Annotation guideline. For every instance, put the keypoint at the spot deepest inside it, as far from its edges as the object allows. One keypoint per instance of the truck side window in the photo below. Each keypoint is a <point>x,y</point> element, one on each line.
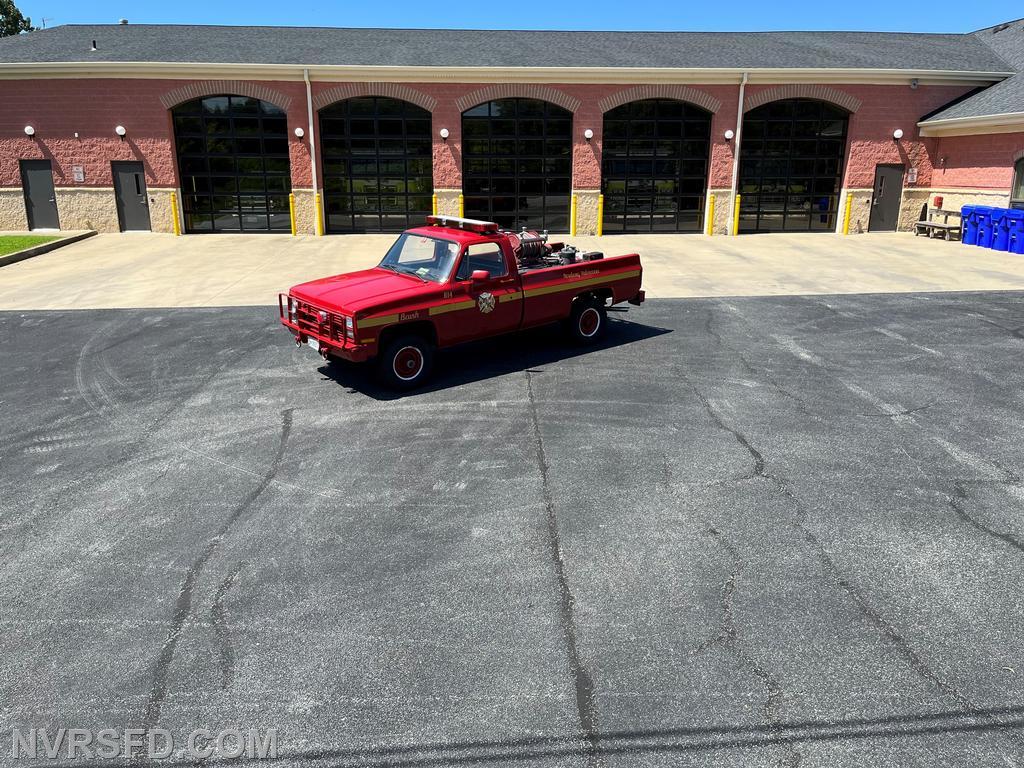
<point>485,256</point>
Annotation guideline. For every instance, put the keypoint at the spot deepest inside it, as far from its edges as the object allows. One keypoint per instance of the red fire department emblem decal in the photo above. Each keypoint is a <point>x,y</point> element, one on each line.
<point>485,302</point>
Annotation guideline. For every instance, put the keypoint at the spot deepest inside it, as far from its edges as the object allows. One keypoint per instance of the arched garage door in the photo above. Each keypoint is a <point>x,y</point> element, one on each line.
<point>517,163</point>
<point>377,164</point>
<point>655,166</point>
<point>233,164</point>
<point>791,165</point>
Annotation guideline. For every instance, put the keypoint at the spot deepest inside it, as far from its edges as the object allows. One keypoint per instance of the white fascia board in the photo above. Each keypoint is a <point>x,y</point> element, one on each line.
<point>1010,122</point>
<point>632,75</point>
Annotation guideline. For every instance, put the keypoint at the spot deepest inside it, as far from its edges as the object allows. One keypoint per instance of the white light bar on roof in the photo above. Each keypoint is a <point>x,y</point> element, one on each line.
<point>473,225</point>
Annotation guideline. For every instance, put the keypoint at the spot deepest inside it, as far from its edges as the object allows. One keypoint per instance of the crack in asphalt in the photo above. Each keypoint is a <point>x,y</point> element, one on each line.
<point>583,681</point>
<point>901,645</point>
<point>762,375</point>
<point>957,503</point>
<point>728,639</point>
<point>219,621</point>
<point>183,603</point>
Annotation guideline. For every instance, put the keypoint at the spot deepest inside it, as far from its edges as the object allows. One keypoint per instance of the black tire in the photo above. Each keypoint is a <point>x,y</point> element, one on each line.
<point>588,321</point>
<point>406,362</point>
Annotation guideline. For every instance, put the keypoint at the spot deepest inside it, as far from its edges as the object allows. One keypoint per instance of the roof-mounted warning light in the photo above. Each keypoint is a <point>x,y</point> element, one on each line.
<point>472,225</point>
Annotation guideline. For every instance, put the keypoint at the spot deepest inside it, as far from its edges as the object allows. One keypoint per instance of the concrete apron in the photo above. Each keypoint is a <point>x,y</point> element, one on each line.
<point>157,270</point>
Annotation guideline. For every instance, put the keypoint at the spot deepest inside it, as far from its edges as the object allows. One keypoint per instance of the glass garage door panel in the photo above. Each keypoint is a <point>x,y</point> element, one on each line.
<point>655,166</point>
<point>791,166</point>
<point>517,163</point>
<point>378,167</point>
<point>233,163</point>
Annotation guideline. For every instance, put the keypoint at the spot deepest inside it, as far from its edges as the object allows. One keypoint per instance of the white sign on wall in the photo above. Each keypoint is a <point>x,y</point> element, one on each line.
<point>78,173</point>
<point>912,176</point>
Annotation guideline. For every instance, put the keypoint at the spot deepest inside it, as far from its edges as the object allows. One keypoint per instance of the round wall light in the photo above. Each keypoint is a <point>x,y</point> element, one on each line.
<point>588,134</point>
<point>897,134</point>
<point>299,133</point>
<point>729,134</point>
<point>445,133</point>
<point>30,131</point>
<point>120,131</point>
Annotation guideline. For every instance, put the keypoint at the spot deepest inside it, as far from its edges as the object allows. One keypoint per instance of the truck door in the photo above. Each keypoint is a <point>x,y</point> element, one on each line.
<point>497,300</point>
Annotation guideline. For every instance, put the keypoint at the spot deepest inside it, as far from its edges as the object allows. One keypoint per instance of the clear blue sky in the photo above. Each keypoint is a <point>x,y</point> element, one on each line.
<point>931,16</point>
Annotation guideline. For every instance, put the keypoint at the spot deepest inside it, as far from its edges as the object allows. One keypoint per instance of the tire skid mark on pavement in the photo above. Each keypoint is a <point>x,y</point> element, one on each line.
<point>183,603</point>
<point>219,621</point>
<point>583,681</point>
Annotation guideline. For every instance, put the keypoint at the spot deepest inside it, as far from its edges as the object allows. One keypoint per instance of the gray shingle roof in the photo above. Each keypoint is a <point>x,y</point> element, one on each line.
<point>416,47</point>
<point>1007,97</point>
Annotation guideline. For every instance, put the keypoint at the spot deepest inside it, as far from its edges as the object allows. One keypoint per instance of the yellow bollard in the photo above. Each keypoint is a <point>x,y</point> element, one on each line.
<point>736,216</point>
<point>572,217</point>
<point>846,214</point>
<point>433,205</point>
<point>319,215</point>
<point>462,205</point>
<point>600,215</point>
<point>711,215</point>
<point>291,210</point>
<point>175,223</point>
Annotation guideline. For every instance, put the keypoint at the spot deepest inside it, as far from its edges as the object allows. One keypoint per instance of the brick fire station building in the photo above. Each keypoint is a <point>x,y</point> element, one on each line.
<point>127,127</point>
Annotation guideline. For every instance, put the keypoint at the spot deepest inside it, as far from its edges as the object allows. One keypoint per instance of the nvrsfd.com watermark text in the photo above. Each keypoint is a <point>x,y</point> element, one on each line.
<point>152,743</point>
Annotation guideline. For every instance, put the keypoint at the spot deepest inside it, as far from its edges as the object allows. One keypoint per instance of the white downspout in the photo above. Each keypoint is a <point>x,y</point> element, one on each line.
<point>312,150</point>
<point>736,153</point>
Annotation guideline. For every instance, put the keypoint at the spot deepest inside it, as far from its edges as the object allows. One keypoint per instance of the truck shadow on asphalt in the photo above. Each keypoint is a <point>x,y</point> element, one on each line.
<point>498,356</point>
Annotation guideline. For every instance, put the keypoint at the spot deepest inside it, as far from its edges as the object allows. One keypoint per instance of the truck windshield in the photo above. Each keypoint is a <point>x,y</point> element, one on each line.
<point>428,258</point>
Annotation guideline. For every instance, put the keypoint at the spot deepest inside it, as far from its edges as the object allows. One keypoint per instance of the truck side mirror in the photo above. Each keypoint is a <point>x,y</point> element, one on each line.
<point>480,275</point>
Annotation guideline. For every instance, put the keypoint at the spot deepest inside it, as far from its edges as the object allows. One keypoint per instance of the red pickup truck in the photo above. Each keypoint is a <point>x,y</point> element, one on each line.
<point>452,281</point>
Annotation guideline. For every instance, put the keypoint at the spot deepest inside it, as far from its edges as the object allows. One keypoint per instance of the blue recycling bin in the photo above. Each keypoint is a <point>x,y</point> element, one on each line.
<point>984,214</point>
<point>1015,221</point>
<point>1000,229</point>
<point>969,225</point>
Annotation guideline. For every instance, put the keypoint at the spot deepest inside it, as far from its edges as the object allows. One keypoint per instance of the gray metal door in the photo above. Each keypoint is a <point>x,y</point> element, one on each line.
<point>130,192</point>
<point>885,200</point>
<point>40,199</point>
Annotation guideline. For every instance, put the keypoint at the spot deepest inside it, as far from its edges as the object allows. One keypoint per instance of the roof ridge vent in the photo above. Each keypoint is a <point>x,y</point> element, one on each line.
<point>122,21</point>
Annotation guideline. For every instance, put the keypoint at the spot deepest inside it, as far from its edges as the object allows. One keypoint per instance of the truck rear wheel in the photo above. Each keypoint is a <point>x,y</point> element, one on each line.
<point>406,362</point>
<point>587,321</point>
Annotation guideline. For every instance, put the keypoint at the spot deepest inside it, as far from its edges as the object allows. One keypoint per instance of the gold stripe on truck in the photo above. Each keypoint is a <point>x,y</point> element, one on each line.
<point>573,285</point>
<point>454,306</point>
<point>371,322</point>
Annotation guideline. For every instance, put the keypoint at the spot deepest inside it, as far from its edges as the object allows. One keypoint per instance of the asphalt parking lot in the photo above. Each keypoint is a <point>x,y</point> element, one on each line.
<point>742,532</point>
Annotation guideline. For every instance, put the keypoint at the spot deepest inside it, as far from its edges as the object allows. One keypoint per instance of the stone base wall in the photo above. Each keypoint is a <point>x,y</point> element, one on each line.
<point>722,218</point>
<point>161,217</point>
<point>448,201</point>
<point>86,208</point>
<point>860,210</point>
<point>12,210</point>
<point>305,212</point>
<point>586,211</point>
<point>912,201</point>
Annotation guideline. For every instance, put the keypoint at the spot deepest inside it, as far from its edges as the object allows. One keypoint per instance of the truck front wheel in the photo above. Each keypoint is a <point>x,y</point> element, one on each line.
<point>406,362</point>
<point>587,321</point>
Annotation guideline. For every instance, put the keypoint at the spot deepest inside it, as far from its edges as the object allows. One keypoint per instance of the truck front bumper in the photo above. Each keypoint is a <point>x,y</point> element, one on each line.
<point>327,339</point>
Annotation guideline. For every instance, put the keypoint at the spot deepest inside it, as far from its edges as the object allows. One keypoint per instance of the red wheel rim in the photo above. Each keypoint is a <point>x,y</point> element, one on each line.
<point>590,321</point>
<point>408,363</point>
